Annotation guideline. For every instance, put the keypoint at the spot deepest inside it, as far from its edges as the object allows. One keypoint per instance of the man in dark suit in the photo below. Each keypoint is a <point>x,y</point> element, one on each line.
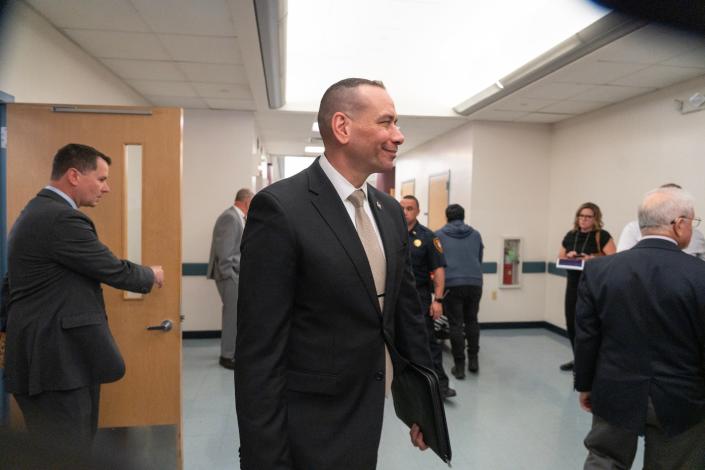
<point>224,269</point>
<point>327,297</point>
<point>59,346</point>
<point>640,343</point>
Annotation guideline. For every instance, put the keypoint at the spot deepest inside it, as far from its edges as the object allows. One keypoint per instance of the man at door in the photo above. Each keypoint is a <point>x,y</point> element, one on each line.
<point>326,297</point>
<point>224,268</point>
<point>59,347</point>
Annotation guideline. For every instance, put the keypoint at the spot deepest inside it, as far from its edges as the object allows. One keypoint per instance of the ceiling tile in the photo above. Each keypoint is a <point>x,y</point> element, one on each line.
<point>553,91</point>
<point>216,73</point>
<point>178,102</point>
<point>611,93</point>
<point>659,76</point>
<point>494,115</point>
<point>145,69</point>
<point>208,49</point>
<point>242,105</point>
<point>594,72</point>
<point>115,15</point>
<point>118,45</point>
<point>223,90</point>
<point>695,58</point>
<point>207,18</point>
<point>518,103</point>
<point>162,88</point>
<point>544,117</point>
<point>572,107</point>
<point>649,45</point>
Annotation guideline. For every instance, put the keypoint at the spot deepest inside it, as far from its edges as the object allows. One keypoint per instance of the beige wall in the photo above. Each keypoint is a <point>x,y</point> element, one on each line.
<point>452,151</point>
<point>40,65</point>
<point>220,157</point>
<point>499,174</point>
<point>510,186</point>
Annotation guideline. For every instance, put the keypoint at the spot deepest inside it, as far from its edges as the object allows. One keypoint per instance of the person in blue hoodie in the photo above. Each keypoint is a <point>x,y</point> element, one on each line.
<point>463,250</point>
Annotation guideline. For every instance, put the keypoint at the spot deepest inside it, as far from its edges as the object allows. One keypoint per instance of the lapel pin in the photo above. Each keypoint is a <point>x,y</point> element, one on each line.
<point>379,206</point>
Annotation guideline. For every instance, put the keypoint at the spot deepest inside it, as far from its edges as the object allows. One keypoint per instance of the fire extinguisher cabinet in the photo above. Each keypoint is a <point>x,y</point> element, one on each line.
<point>510,265</point>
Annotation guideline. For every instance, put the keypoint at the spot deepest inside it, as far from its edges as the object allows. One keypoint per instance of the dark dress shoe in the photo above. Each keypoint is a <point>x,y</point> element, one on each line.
<point>567,366</point>
<point>473,366</point>
<point>458,371</point>
<point>227,363</point>
<point>448,392</point>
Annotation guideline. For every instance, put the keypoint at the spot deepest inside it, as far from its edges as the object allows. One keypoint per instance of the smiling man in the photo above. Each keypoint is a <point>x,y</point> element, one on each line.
<point>59,346</point>
<point>327,298</point>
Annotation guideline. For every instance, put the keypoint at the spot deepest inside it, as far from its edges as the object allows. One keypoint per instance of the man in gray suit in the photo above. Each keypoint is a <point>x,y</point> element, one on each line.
<point>224,268</point>
<point>59,345</point>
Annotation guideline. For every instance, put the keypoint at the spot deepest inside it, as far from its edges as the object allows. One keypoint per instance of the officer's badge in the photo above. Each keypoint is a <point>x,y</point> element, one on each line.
<point>417,243</point>
<point>437,244</point>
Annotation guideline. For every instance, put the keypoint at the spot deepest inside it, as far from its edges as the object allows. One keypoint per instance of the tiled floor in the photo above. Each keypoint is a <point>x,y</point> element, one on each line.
<point>518,413</point>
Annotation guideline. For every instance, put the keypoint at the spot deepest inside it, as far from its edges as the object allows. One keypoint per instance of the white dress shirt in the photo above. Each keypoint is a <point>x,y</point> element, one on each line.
<point>631,235</point>
<point>344,189</point>
<point>62,194</point>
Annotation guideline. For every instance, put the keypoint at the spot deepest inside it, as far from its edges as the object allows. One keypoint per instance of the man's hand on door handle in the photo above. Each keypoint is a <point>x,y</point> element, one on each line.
<point>158,276</point>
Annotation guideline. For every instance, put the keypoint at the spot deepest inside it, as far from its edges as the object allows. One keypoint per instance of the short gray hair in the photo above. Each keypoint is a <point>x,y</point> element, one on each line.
<point>663,205</point>
<point>244,194</point>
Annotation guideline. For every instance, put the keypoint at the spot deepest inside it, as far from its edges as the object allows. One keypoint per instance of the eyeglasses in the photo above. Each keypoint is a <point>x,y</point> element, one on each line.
<point>695,221</point>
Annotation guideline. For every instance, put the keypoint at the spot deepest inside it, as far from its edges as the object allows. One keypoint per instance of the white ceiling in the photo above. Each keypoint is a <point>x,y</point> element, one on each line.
<point>205,54</point>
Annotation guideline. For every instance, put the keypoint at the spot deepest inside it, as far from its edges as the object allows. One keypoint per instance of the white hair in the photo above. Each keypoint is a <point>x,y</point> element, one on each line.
<point>662,206</point>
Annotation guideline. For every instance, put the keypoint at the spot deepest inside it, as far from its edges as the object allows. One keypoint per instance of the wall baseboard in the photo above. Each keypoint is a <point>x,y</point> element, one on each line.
<point>208,334</point>
<point>512,325</point>
<point>200,334</point>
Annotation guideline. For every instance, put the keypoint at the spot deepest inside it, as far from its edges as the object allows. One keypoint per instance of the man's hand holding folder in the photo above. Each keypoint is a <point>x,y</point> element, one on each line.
<point>419,404</point>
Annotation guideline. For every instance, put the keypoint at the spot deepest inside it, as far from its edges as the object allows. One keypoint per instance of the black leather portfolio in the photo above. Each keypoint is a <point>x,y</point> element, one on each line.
<point>417,400</point>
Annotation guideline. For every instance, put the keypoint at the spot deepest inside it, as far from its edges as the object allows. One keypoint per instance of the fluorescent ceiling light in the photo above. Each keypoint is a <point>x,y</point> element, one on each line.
<point>314,127</point>
<point>465,45</point>
<point>605,30</point>
<point>266,14</point>
<point>313,149</point>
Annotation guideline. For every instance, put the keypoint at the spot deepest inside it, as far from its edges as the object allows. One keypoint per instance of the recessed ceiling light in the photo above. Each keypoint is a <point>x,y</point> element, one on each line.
<point>697,100</point>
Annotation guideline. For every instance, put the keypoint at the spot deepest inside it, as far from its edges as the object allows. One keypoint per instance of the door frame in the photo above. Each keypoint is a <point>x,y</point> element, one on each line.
<point>4,98</point>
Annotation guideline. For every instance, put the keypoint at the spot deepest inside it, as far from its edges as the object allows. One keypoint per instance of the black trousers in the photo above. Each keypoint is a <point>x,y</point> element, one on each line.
<point>67,417</point>
<point>461,305</point>
<point>571,300</point>
<point>435,344</point>
<point>614,448</point>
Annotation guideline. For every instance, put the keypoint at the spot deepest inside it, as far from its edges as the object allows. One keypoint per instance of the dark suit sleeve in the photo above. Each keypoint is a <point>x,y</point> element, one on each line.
<point>411,335</point>
<point>4,300</point>
<point>265,305</point>
<point>74,244</point>
<point>588,335</point>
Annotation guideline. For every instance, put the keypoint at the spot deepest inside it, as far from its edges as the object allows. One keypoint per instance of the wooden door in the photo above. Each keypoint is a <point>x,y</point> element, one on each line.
<point>150,392</point>
<point>408,188</point>
<point>438,200</point>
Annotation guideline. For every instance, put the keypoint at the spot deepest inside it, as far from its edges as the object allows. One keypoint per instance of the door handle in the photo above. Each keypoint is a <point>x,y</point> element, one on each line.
<point>165,326</point>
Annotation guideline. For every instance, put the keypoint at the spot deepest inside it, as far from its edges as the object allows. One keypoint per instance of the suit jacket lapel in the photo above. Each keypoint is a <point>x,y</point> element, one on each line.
<point>328,204</point>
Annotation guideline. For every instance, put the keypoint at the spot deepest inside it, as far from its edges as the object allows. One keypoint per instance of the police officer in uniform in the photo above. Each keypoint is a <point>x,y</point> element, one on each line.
<point>426,259</point>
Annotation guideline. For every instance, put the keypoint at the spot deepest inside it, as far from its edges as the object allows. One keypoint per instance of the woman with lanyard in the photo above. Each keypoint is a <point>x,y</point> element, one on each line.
<point>585,241</point>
